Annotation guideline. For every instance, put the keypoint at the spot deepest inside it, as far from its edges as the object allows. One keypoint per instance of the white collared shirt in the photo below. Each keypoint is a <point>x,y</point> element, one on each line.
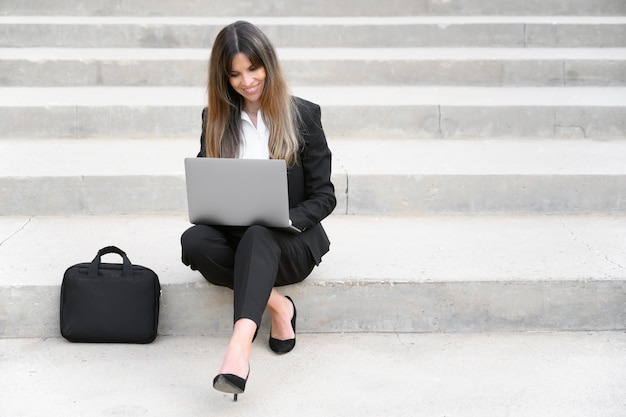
<point>255,139</point>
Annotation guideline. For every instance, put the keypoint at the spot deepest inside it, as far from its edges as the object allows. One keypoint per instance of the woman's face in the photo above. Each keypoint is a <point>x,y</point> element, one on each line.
<point>247,80</point>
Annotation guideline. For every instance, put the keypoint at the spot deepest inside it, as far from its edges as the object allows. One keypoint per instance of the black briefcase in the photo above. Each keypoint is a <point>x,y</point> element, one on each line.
<point>110,303</point>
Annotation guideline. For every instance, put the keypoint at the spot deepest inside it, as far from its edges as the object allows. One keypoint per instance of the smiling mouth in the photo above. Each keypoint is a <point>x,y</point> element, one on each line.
<point>251,90</point>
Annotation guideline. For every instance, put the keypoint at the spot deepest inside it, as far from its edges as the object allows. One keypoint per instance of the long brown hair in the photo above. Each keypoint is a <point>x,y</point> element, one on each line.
<point>223,126</point>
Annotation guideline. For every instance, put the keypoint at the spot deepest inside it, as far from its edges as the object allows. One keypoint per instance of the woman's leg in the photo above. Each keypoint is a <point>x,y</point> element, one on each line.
<point>252,266</point>
<point>251,261</point>
<point>237,357</point>
<point>256,267</point>
<point>266,259</point>
<point>255,270</point>
<point>296,263</point>
<point>211,251</point>
<point>281,311</point>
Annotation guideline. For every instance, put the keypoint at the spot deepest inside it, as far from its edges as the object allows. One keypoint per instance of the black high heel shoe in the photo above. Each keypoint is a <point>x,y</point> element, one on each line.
<point>284,346</point>
<point>230,384</point>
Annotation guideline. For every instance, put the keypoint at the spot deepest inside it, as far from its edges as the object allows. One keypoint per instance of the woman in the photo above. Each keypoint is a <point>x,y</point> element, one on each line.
<point>250,114</point>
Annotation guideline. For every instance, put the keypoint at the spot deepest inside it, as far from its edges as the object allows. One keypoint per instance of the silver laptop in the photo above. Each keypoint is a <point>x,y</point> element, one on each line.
<point>238,192</point>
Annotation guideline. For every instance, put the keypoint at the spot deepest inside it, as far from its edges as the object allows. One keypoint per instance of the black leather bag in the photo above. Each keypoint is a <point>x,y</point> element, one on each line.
<point>110,303</point>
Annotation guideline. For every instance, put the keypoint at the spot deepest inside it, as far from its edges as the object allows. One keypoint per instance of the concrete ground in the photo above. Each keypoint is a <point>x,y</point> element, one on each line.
<point>361,374</point>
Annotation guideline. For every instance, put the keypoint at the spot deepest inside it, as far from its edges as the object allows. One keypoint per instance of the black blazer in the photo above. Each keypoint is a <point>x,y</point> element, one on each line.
<point>311,193</point>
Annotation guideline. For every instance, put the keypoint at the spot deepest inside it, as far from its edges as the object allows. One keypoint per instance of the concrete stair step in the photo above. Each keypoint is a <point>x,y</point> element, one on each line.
<point>398,111</point>
<point>344,31</point>
<point>463,375</point>
<point>52,67</point>
<point>479,176</point>
<point>406,274</point>
<point>316,8</point>
<point>146,176</point>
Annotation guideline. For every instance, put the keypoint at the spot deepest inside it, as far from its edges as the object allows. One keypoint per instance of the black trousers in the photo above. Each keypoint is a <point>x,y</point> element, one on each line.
<point>250,260</point>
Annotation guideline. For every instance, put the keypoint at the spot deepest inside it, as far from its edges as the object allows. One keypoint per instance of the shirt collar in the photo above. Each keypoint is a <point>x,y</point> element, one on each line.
<point>244,116</point>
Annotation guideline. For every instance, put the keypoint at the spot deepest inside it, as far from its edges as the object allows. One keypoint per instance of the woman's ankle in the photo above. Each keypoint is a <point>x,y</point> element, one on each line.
<point>237,357</point>
<point>236,361</point>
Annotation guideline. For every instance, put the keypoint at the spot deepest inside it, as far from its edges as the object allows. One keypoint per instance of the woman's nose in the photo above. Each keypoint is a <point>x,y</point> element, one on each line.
<point>248,79</point>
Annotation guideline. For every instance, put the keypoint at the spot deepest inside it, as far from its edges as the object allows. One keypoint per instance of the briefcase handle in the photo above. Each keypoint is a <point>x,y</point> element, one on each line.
<point>94,267</point>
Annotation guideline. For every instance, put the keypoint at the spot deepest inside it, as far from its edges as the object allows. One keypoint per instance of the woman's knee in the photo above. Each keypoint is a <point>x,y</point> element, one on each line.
<point>204,249</point>
<point>189,245</point>
<point>257,232</point>
<point>197,242</point>
<point>191,240</point>
<point>260,236</point>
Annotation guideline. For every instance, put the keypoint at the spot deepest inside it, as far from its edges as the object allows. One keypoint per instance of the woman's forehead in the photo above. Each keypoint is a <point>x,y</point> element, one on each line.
<point>240,62</point>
